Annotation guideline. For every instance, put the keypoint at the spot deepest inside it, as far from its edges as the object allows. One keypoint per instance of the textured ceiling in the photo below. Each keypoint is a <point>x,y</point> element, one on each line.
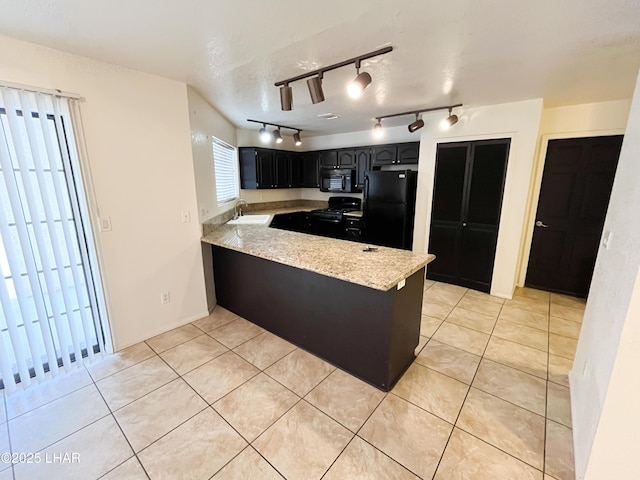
<point>459,51</point>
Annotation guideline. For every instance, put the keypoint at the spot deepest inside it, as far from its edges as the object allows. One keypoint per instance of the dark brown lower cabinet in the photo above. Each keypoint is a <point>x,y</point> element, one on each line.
<point>467,201</point>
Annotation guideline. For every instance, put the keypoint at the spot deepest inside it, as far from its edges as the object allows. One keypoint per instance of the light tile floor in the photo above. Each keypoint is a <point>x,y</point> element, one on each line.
<point>486,398</point>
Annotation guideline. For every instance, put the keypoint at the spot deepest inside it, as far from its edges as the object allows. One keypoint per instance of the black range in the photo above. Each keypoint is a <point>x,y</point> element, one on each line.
<point>326,222</point>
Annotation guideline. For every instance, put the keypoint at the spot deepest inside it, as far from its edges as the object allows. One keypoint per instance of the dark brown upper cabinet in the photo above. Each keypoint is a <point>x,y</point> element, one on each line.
<point>269,168</point>
<point>328,159</point>
<point>347,158</point>
<point>396,154</point>
<point>310,169</point>
<point>363,164</point>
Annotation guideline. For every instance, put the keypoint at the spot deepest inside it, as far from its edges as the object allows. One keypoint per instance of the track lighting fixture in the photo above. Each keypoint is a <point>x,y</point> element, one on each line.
<point>358,85</point>
<point>378,132</point>
<point>314,82</point>
<point>286,97</point>
<point>419,123</point>
<point>315,89</point>
<point>267,137</point>
<point>448,122</point>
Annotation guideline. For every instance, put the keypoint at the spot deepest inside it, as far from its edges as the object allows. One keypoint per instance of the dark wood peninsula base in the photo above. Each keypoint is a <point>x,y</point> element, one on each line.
<point>369,333</point>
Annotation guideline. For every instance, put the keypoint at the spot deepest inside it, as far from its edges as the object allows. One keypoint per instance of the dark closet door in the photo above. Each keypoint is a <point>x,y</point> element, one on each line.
<point>467,200</point>
<point>574,196</point>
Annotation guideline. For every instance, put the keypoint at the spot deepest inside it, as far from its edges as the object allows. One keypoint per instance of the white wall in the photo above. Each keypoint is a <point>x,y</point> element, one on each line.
<point>518,121</point>
<point>587,120</point>
<point>137,135</point>
<point>604,380</point>
<point>206,122</point>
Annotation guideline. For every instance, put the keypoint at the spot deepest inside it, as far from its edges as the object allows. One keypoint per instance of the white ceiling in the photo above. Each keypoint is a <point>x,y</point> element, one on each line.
<point>457,51</point>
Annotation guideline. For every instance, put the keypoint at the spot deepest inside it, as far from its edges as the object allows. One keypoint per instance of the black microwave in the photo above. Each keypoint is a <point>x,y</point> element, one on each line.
<point>342,181</point>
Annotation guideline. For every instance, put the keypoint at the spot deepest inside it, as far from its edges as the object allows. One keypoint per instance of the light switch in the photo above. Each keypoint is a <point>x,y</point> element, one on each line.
<point>105,224</point>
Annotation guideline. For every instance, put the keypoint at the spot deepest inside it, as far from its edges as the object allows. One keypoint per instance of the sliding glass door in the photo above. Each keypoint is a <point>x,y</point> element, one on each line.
<point>48,286</point>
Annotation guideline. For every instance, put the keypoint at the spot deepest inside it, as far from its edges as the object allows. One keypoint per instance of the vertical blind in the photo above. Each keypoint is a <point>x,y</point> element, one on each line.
<point>225,163</point>
<point>49,318</point>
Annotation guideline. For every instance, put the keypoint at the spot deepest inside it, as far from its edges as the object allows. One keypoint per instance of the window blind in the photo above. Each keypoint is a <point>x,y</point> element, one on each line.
<point>225,162</point>
<point>48,319</point>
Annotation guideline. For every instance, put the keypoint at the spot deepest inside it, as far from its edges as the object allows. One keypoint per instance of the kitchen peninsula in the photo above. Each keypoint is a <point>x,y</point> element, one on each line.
<point>359,310</point>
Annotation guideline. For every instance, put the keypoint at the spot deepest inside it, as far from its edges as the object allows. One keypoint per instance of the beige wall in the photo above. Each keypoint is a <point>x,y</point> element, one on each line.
<point>205,123</point>
<point>137,135</point>
<point>604,380</point>
<point>587,120</point>
<point>518,121</point>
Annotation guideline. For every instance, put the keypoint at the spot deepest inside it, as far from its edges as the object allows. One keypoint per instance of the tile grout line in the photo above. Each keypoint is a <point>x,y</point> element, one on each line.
<point>546,393</point>
<point>210,405</point>
<point>435,471</point>
<point>122,432</point>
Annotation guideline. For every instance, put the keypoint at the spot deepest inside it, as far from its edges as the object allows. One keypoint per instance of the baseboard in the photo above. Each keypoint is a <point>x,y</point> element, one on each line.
<point>160,331</point>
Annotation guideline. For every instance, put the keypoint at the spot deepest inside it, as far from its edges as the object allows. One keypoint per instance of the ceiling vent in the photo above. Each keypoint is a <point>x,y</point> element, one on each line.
<point>329,116</point>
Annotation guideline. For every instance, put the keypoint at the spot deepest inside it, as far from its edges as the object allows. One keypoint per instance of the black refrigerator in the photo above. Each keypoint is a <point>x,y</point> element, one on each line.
<point>389,207</point>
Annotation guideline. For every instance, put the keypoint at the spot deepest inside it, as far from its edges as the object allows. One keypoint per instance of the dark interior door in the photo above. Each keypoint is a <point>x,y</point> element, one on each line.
<point>574,196</point>
<point>467,201</point>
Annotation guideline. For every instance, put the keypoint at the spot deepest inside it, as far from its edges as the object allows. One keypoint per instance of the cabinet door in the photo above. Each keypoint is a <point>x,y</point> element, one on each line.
<point>264,169</point>
<point>363,164</point>
<point>408,152</point>
<point>310,170</point>
<point>248,168</point>
<point>346,158</point>
<point>282,174</point>
<point>329,158</point>
<point>295,170</point>
<point>384,155</point>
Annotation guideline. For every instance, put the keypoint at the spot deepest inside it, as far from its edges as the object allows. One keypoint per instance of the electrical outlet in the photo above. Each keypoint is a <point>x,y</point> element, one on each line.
<point>165,297</point>
<point>105,224</point>
<point>186,216</point>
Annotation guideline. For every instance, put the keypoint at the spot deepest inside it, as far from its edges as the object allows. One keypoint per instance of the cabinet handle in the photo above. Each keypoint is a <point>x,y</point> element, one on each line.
<point>464,224</point>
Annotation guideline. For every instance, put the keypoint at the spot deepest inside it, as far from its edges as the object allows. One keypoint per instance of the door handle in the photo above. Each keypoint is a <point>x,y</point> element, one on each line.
<point>540,224</point>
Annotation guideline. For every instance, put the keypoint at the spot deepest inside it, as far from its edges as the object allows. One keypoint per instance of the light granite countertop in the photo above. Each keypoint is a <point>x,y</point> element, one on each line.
<point>382,269</point>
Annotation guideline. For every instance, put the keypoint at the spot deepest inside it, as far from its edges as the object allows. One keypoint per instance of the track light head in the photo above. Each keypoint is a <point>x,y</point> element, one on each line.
<point>315,89</point>
<point>417,125</point>
<point>378,132</point>
<point>448,122</point>
<point>265,136</point>
<point>296,138</point>
<point>358,85</point>
<point>276,135</point>
<point>286,97</point>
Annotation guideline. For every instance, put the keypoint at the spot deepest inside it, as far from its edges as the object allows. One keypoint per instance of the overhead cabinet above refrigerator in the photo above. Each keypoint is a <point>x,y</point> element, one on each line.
<point>467,201</point>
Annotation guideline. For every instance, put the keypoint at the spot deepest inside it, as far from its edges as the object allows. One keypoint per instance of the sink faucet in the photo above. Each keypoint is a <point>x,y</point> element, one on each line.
<point>238,208</point>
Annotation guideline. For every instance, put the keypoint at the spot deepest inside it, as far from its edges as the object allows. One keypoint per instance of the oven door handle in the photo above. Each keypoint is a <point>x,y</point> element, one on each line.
<point>327,220</point>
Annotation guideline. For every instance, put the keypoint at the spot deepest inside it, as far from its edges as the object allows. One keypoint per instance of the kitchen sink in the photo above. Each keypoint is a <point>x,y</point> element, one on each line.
<point>251,220</point>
